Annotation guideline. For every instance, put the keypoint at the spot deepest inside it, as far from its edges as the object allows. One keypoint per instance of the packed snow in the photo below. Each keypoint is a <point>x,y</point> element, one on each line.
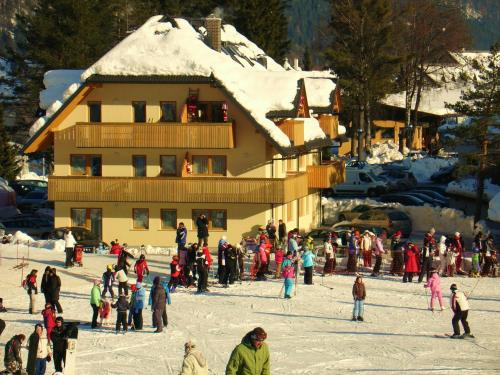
<point>467,187</point>
<point>309,334</point>
<point>424,168</point>
<point>494,208</point>
<point>56,82</point>
<point>31,176</point>
<point>386,152</point>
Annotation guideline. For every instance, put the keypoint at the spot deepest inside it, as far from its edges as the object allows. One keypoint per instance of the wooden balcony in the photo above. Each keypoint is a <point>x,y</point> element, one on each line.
<point>330,125</point>
<point>178,190</point>
<point>155,135</point>
<point>294,129</point>
<point>325,175</point>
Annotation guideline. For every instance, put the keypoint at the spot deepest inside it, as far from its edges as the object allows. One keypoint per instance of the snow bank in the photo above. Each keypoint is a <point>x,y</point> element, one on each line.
<point>494,208</point>
<point>424,168</point>
<point>384,153</point>
<point>467,187</point>
<point>22,238</point>
<point>445,220</point>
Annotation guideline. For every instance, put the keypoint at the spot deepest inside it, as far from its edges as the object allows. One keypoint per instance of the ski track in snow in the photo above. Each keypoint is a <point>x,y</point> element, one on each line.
<point>312,333</point>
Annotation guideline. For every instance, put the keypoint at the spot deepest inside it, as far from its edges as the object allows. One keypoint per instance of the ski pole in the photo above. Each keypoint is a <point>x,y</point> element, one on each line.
<point>281,290</point>
<point>470,293</point>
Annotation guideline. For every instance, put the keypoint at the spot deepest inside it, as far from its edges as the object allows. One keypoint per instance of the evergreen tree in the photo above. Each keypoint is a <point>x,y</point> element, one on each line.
<point>306,60</point>
<point>361,55</point>
<point>263,22</point>
<point>481,138</point>
<point>9,166</point>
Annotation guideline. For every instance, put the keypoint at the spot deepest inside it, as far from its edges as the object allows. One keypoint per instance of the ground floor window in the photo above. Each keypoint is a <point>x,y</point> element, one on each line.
<point>217,219</point>
<point>89,218</point>
<point>140,218</point>
<point>168,219</point>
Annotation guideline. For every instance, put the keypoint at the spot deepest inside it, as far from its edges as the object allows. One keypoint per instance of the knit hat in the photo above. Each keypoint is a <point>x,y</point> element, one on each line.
<point>453,287</point>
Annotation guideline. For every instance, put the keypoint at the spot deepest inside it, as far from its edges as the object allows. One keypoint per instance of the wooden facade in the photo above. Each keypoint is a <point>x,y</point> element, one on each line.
<point>323,176</point>
<point>178,190</point>
<point>158,135</point>
<point>330,125</point>
<point>294,129</point>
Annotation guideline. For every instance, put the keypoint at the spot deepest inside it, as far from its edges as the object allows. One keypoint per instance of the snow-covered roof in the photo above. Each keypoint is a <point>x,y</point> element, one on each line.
<point>172,47</point>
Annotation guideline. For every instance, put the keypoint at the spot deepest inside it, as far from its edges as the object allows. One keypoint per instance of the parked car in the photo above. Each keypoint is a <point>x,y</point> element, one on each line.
<point>23,187</point>
<point>36,227</point>
<point>388,219</point>
<point>405,200</point>
<point>400,179</point>
<point>437,188</point>
<point>426,198</point>
<point>355,212</point>
<point>432,194</point>
<point>32,201</point>
<point>83,236</point>
<point>444,175</point>
<point>361,181</point>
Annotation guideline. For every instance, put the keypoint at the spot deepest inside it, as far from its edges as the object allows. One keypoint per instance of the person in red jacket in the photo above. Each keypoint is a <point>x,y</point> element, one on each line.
<point>458,244</point>
<point>208,258</point>
<point>116,249</point>
<point>412,254</point>
<point>175,273</point>
<point>141,268</point>
<point>49,319</point>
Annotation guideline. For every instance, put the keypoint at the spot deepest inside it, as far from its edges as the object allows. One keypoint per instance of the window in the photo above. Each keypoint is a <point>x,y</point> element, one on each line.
<point>217,219</point>
<point>168,219</point>
<point>88,218</point>
<point>139,111</point>
<point>168,166</point>
<point>363,177</point>
<point>211,112</point>
<point>290,165</point>
<point>85,165</point>
<point>387,133</point>
<point>79,217</point>
<point>209,165</point>
<point>168,112</point>
<point>140,218</point>
<point>94,111</point>
<point>139,165</point>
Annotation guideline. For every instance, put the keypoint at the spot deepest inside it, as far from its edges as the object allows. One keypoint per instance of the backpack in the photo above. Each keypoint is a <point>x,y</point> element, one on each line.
<point>24,283</point>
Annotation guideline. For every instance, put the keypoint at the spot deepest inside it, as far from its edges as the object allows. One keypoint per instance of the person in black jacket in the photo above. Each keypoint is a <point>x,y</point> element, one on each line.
<point>59,337</point>
<point>202,268</point>
<point>121,306</point>
<point>230,269</point>
<point>282,232</point>
<point>43,285</point>
<point>12,359</point>
<point>192,250</point>
<point>53,290</point>
<point>202,225</point>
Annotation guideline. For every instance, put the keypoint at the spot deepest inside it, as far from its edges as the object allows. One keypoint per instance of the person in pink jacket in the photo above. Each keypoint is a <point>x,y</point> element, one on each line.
<point>279,255</point>
<point>434,283</point>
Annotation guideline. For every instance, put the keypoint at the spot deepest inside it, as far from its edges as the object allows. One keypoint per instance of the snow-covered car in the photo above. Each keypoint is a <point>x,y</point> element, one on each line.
<point>405,200</point>
<point>400,179</point>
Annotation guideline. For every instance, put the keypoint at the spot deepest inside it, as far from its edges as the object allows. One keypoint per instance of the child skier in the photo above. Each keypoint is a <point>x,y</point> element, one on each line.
<point>359,295</point>
<point>202,270</point>
<point>308,259</point>
<point>278,258</point>
<point>451,255</point>
<point>49,319</point>
<point>175,273</point>
<point>476,268</point>
<point>460,307</point>
<point>121,307</point>
<point>412,265</point>
<point>288,274</point>
<point>442,256</point>
<point>32,290</point>
<point>104,311</point>
<point>108,278</point>
<point>434,283</point>
<point>141,268</point>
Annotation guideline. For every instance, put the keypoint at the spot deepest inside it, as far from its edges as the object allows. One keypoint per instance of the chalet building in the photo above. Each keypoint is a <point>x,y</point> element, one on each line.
<point>180,119</point>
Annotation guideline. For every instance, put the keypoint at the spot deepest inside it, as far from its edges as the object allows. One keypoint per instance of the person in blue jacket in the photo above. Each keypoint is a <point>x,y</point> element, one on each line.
<point>308,259</point>
<point>140,296</point>
<point>180,237</point>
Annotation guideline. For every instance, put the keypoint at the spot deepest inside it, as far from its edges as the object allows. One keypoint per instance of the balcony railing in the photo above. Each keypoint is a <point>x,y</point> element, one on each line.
<point>178,190</point>
<point>325,175</point>
<point>155,135</point>
<point>330,125</point>
<point>294,129</point>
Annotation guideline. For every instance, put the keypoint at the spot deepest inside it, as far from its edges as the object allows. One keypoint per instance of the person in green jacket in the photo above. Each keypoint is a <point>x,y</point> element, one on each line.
<point>95,301</point>
<point>251,357</point>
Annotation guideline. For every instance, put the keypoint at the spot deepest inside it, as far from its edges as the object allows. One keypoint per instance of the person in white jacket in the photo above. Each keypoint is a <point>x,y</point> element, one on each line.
<point>69,247</point>
<point>443,265</point>
<point>460,306</point>
<point>122,279</point>
<point>194,361</point>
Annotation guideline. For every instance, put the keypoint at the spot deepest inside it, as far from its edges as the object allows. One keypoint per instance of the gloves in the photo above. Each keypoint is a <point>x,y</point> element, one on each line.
<point>49,358</point>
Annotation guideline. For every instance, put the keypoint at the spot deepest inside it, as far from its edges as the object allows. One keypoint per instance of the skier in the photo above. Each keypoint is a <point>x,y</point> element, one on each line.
<point>379,251</point>
<point>121,307</point>
<point>184,264</point>
<point>442,256</point>
<point>458,244</point>
<point>352,265</point>
<point>39,352</point>
<point>175,273</point>
<point>282,232</point>
<point>293,246</point>
<point>104,312</point>
<point>107,280</point>
<point>140,296</point>
<point>330,260</point>
<point>397,254</point>
<point>359,295</point>
<point>288,274</point>
<point>122,262</point>
<point>489,254</point>
<point>13,361</point>
<point>141,268</point>
<point>451,255</point>
<point>271,232</point>
<point>95,301</point>
<point>366,247</point>
<point>434,283</point>
<point>308,259</point>
<point>45,282</point>
<point>261,262</point>
<point>427,255</point>
<point>32,290</point>
<point>476,254</point>
<point>53,290</point>
<point>460,307</point>
<point>69,247</point>
<point>122,278</point>
<point>49,318</point>
<point>158,298</point>
<point>59,344</point>
<point>194,362</point>
<point>251,356</point>
<point>411,261</point>
<point>230,269</point>
<point>192,250</point>
<point>278,259</point>
<point>202,268</point>
<point>180,237</point>
<point>202,226</point>
<point>221,261</point>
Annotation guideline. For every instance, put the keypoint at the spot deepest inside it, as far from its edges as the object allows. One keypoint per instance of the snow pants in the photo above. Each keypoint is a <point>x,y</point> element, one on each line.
<point>32,309</point>
<point>106,288</point>
<point>439,295</point>
<point>95,312</point>
<point>476,269</point>
<point>288,287</point>
<point>359,308</point>
<point>69,257</point>
<point>59,358</point>
<point>426,269</point>
<point>160,319</point>
<point>123,287</point>
<point>137,317</point>
<point>378,264</point>
<point>367,258</point>
<point>408,276</point>
<point>121,320</point>
<point>202,279</point>
<point>352,263</point>
<point>462,317</point>
<point>308,275</point>
<point>442,265</point>
<point>277,274</point>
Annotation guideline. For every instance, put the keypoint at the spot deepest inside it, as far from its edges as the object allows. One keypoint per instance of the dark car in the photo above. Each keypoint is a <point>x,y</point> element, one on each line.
<point>426,198</point>
<point>405,200</point>
<point>444,175</point>
<point>36,227</point>
<point>437,188</point>
<point>389,219</point>
<point>23,187</point>
<point>32,201</point>
<point>83,236</point>
<point>433,194</point>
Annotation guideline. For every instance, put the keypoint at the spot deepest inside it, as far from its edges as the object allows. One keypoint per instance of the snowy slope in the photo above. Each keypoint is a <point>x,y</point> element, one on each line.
<point>309,334</point>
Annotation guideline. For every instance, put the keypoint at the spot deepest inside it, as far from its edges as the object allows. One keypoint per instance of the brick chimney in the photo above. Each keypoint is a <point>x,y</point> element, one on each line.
<point>213,24</point>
